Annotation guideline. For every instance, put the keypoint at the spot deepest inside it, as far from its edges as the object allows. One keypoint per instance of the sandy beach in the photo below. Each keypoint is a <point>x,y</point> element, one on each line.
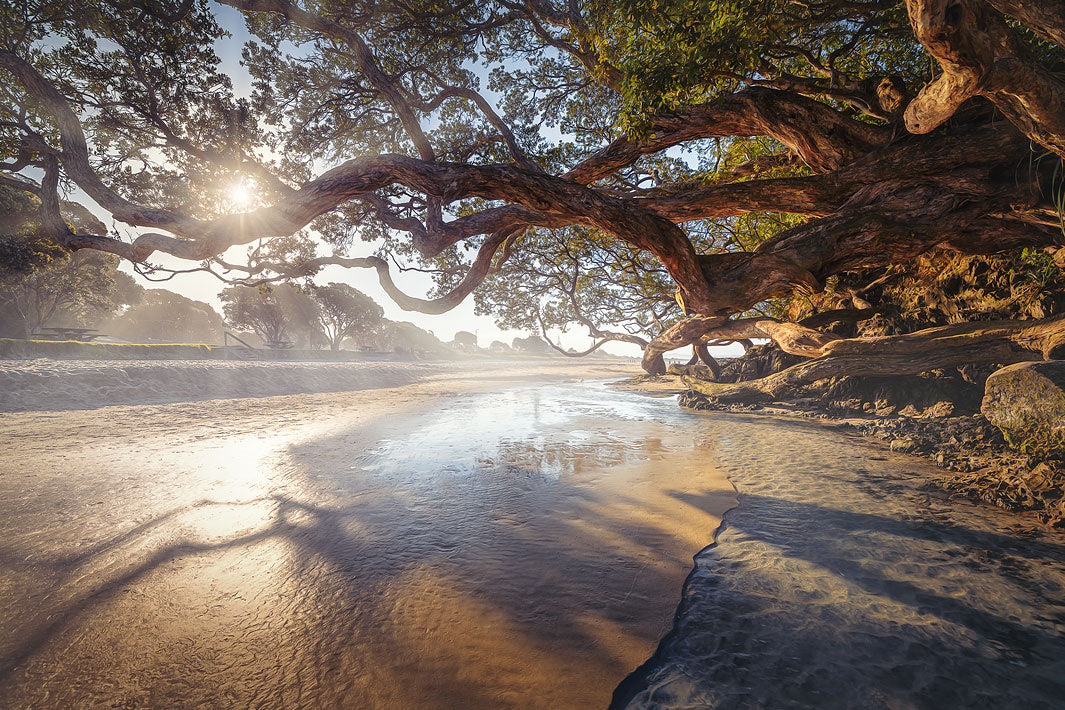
<point>44,384</point>
<point>447,536</point>
<point>511,537</point>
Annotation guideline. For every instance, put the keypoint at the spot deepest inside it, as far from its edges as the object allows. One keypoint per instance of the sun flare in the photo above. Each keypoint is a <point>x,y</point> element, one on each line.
<point>240,195</point>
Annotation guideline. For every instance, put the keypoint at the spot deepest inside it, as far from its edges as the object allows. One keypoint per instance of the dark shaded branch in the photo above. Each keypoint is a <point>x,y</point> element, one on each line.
<point>1046,18</point>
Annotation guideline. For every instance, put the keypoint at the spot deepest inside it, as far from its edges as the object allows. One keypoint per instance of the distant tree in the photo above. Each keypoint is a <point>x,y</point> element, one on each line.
<point>304,328</point>
<point>406,337</point>
<point>275,313</point>
<point>566,277</point>
<point>465,340</point>
<point>344,311</point>
<point>41,282</point>
<point>498,346</point>
<point>128,292</point>
<point>19,259</point>
<point>163,315</point>
<point>73,287</point>
<point>533,344</point>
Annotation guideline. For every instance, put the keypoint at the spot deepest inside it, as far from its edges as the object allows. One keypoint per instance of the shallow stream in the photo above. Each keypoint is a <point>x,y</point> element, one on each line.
<point>525,548</point>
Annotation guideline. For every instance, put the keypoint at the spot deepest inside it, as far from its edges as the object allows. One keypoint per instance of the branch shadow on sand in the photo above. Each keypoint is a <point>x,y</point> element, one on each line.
<point>363,555</point>
<point>803,604</point>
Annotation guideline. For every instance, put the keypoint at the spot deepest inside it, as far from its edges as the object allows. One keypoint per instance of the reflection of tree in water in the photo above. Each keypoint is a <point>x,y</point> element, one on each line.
<point>577,453</point>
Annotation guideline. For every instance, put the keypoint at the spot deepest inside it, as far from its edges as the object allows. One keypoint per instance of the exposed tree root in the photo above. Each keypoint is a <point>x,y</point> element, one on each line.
<point>997,342</point>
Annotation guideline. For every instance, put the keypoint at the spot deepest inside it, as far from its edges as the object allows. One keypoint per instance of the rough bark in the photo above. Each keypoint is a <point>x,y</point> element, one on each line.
<point>708,360</point>
<point>1046,18</point>
<point>980,56</point>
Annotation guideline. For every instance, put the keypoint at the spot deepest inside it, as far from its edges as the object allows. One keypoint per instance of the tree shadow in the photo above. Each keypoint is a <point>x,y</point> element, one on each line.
<point>850,609</point>
<point>352,539</point>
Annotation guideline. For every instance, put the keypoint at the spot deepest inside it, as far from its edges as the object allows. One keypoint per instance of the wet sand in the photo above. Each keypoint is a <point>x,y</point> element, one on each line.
<point>466,541</point>
<point>489,540</point>
<point>841,581</point>
<point>41,384</point>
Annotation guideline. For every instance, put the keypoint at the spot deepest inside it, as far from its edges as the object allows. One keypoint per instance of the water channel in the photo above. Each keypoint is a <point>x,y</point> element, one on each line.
<point>522,548</point>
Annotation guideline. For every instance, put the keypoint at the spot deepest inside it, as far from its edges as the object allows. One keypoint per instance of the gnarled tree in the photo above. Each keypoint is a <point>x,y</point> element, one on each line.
<point>369,120</point>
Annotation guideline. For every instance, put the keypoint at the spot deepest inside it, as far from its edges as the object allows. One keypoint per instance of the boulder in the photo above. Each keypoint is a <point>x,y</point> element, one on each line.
<point>1027,401</point>
<point>758,362</point>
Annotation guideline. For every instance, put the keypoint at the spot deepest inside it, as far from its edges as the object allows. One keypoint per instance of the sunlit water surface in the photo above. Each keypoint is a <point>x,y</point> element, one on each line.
<point>522,549</point>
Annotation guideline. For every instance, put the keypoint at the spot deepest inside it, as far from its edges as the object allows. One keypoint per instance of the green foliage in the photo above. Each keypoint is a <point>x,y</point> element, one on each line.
<point>22,248</point>
<point>675,52</point>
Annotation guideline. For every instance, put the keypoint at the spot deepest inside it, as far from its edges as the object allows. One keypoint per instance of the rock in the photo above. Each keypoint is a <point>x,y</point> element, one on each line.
<point>926,396</point>
<point>1044,478</point>
<point>904,445</point>
<point>1027,401</point>
<point>940,409</point>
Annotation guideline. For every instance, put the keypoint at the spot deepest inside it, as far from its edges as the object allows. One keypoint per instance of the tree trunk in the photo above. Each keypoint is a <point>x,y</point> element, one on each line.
<point>708,360</point>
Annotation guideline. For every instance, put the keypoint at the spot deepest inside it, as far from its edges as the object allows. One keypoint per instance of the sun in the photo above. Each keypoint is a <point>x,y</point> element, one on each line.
<point>240,195</point>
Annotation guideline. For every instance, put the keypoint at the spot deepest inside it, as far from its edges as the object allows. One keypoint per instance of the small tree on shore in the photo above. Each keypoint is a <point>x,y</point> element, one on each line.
<point>273,313</point>
<point>344,311</point>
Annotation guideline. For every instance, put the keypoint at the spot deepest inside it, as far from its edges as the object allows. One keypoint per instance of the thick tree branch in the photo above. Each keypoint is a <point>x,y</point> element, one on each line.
<point>1046,18</point>
<point>980,56</point>
<point>822,137</point>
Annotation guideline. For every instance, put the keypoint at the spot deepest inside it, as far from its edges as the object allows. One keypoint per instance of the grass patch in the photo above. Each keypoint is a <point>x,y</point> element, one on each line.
<point>11,348</point>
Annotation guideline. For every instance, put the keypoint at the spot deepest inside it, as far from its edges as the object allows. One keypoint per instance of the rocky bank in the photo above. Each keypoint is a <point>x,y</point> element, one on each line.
<point>998,434</point>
